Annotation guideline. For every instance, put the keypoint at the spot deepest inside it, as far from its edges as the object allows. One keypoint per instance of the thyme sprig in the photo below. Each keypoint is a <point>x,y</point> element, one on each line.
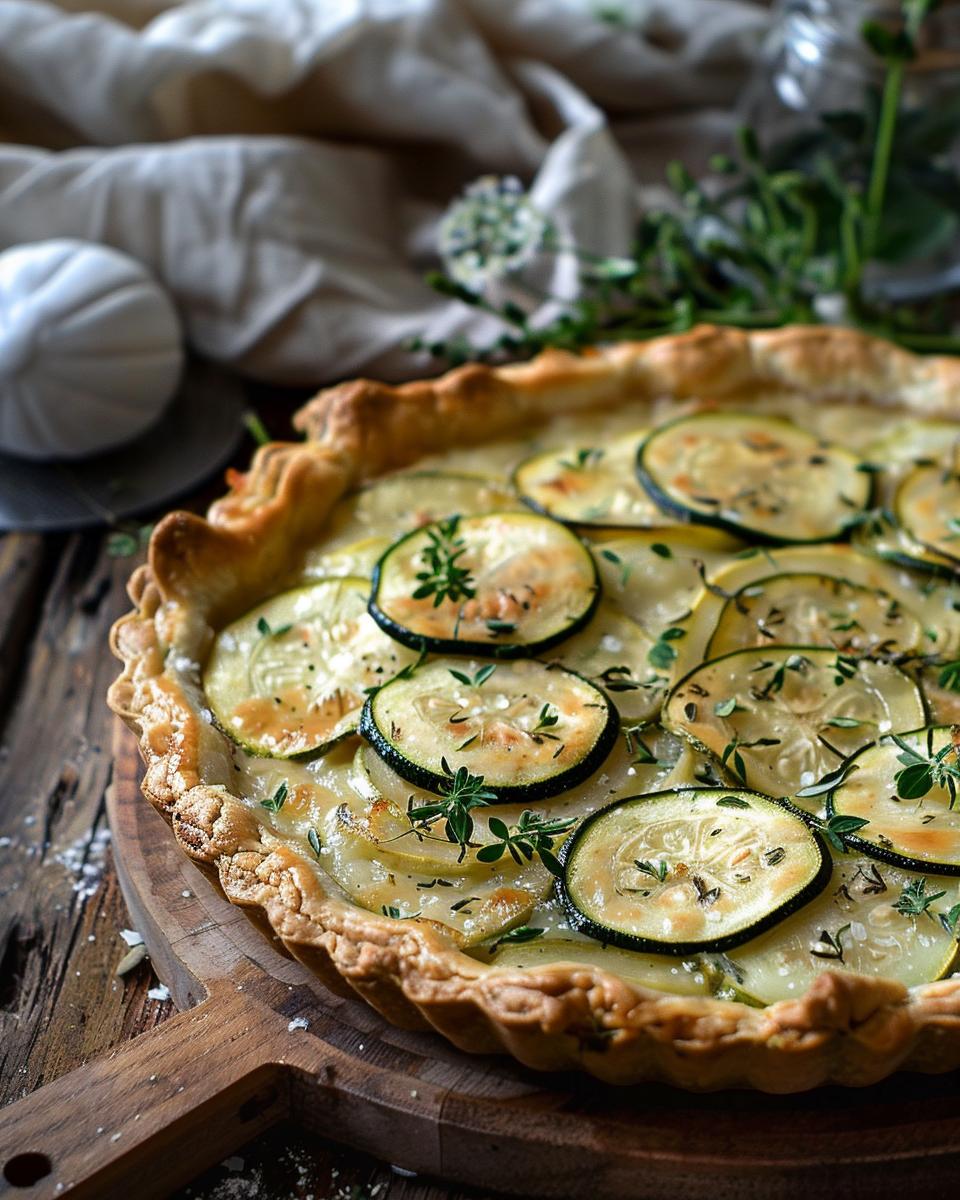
<point>533,834</point>
<point>914,899</point>
<point>921,773</point>
<point>444,578</point>
<point>461,793</point>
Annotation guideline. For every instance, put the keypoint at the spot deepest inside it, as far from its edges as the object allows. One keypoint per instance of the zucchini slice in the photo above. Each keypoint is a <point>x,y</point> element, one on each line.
<point>289,677</point>
<point>679,872</point>
<point>530,730</point>
<point>659,972</point>
<point>927,506</point>
<point>782,717</point>
<point>909,441</point>
<point>881,536</point>
<point>612,652</point>
<point>853,925</point>
<point>655,576</point>
<point>755,475</point>
<point>389,506</point>
<point>807,609</point>
<point>907,786</point>
<point>591,485</point>
<point>503,584</point>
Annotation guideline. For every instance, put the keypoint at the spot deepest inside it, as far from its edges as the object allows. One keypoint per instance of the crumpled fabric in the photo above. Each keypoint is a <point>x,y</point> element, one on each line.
<point>282,165</point>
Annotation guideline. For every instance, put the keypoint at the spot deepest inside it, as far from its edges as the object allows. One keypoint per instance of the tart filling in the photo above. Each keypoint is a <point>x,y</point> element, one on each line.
<point>661,696</point>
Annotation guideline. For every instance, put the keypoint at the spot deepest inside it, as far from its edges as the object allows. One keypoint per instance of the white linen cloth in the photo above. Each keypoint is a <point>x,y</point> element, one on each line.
<point>281,165</point>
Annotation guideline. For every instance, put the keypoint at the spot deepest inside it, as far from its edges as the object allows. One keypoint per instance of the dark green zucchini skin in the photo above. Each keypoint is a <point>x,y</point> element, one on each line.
<point>465,647</point>
<point>690,517</point>
<point>628,941</point>
<point>513,794</point>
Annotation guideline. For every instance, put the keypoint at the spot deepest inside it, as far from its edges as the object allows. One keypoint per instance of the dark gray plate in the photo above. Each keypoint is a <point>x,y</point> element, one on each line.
<point>195,437</point>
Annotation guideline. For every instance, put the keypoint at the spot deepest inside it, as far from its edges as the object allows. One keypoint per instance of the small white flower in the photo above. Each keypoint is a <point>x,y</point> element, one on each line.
<point>491,230</point>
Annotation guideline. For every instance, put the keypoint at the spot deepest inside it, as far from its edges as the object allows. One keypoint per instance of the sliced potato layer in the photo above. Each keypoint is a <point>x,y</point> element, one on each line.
<point>907,787</point>
<point>682,871</point>
<point>758,476</point>
<point>591,485</point>
<point>528,729</point>
<point>815,610</point>
<point>503,584</point>
<point>853,925</point>
<point>781,718</point>
<point>289,677</point>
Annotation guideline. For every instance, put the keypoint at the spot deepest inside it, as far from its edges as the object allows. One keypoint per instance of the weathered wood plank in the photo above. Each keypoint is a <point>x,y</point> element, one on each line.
<point>60,907</point>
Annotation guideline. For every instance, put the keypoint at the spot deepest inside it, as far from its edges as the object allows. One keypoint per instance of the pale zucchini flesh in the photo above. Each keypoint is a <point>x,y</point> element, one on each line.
<point>408,499</point>
<point>759,476</point>
<point>529,729</point>
<point>680,872</point>
<point>809,609</point>
<point>289,677</point>
<point>781,718</point>
<point>927,507</point>
<point>853,925</point>
<point>907,789</point>
<point>591,485</point>
<point>530,582</point>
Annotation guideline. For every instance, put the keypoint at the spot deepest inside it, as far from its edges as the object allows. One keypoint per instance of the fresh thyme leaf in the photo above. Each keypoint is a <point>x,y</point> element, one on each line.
<point>829,783</point>
<point>533,834</point>
<point>724,708</point>
<point>314,839</point>
<point>949,676</point>
<point>625,568</point>
<point>920,773</point>
<point>732,802</point>
<point>657,870</point>
<point>460,794</point>
<point>522,933</point>
<point>443,578</point>
<point>265,630</point>
<point>843,722</point>
<point>545,721</point>
<point>838,828</point>
<point>661,550</point>
<point>478,680</point>
<point>275,802</point>
<point>949,920</point>
<point>915,900</point>
<point>462,904</point>
<point>588,456</point>
<point>662,654</point>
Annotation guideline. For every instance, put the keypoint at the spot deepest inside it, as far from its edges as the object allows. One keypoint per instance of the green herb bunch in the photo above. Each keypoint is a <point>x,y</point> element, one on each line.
<point>777,236</point>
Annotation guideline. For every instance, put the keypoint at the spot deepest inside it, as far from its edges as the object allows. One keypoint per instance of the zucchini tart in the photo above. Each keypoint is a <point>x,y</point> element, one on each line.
<point>603,709</point>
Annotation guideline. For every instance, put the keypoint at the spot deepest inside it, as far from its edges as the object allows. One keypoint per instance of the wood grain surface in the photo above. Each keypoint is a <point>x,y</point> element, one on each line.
<point>61,910</point>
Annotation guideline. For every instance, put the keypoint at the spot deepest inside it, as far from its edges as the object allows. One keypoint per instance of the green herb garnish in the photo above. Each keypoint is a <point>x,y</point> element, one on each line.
<point>532,834</point>
<point>443,578</point>
<point>275,802</point>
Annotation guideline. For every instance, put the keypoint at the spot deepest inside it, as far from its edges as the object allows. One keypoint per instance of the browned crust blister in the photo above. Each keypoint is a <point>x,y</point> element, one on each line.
<point>201,573</point>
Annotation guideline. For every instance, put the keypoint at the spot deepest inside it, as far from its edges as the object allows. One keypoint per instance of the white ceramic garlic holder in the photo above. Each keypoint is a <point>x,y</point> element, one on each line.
<point>90,349</point>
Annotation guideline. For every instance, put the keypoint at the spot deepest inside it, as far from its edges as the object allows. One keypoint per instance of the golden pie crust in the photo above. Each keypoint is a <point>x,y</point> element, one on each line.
<point>203,572</point>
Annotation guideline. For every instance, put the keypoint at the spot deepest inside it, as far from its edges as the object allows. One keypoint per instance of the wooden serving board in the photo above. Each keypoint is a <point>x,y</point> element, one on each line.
<point>152,1114</point>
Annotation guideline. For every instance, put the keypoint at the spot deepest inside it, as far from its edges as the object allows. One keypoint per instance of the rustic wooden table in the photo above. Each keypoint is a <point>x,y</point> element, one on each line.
<point>61,910</point>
